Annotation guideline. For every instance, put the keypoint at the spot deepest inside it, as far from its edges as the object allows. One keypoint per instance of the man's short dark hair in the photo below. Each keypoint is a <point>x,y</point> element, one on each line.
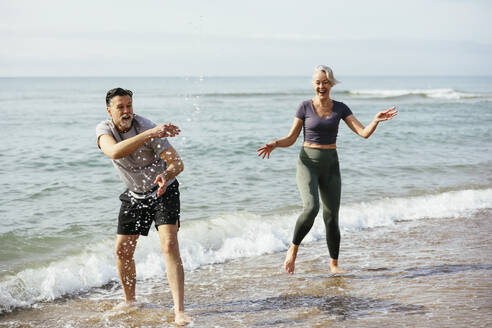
<point>117,92</point>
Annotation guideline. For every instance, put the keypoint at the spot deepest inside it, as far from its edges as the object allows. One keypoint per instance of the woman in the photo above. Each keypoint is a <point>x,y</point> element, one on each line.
<point>317,165</point>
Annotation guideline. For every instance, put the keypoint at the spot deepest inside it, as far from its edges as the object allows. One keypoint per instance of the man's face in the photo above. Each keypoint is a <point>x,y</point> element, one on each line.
<point>121,112</point>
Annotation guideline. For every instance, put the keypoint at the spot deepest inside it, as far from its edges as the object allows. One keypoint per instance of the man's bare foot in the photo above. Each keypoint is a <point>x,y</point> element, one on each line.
<point>181,319</point>
<point>290,259</point>
<point>335,269</point>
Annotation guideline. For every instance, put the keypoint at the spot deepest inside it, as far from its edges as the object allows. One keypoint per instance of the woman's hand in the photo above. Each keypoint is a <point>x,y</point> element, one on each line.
<point>267,149</point>
<point>385,115</point>
<point>282,142</point>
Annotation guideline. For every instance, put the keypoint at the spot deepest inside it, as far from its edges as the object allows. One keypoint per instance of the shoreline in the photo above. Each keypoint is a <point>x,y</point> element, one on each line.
<point>411,272</point>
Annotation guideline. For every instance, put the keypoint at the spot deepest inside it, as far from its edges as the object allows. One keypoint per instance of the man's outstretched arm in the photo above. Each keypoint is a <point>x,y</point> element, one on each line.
<point>115,150</point>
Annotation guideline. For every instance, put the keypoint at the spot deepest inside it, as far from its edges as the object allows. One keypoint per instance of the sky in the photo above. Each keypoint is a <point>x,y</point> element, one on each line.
<point>243,38</point>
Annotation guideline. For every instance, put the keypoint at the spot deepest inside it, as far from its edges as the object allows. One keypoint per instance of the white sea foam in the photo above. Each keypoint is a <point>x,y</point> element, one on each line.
<point>70,275</point>
<point>440,93</point>
<point>221,239</point>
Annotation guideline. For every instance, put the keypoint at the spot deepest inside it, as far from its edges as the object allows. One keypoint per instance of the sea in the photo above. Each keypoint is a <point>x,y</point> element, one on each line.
<point>415,217</point>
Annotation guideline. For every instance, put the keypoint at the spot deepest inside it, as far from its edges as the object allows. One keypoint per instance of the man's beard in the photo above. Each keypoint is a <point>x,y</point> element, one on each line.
<point>125,123</point>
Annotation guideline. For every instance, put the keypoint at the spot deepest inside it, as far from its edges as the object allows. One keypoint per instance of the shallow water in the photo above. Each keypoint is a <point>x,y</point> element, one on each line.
<point>426,273</point>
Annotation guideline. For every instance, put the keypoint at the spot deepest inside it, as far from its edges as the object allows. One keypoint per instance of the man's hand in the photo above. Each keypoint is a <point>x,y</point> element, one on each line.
<point>164,130</point>
<point>161,181</point>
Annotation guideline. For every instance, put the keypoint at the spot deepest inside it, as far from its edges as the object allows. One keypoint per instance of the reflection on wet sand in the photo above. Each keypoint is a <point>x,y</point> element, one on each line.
<point>342,307</point>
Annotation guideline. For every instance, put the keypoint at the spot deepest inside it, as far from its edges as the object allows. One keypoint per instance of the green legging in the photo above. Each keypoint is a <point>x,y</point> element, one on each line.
<point>319,169</point>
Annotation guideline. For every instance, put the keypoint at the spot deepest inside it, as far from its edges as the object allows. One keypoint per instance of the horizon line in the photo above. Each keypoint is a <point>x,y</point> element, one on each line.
<point>235,76</point>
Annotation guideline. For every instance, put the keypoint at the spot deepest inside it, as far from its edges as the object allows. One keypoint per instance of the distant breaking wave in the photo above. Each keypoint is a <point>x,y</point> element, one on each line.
<point>445,93</point>
<point>220,239</point>
<point>442,93</point>
<point>252,94</point>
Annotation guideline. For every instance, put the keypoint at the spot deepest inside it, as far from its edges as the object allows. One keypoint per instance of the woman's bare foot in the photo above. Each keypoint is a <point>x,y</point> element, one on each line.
<point>335,269</point>
<point>181,319</point>
<point>290,259</point>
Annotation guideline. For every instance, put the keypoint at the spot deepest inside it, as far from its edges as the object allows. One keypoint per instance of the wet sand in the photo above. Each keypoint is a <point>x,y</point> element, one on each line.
<point>424,273</point>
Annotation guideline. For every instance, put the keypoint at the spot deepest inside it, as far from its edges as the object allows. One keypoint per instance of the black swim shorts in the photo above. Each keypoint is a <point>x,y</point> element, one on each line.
<point>136,215</point>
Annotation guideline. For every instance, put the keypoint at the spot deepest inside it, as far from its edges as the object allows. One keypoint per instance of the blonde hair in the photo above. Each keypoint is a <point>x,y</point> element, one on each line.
<point>329,73</point>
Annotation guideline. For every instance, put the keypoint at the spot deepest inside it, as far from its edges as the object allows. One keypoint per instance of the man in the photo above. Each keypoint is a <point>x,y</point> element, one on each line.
<point>148,165</point>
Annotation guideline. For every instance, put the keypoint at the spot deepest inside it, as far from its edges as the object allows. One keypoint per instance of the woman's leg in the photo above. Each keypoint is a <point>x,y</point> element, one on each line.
<point>307,182</point>
<point>330,189</point>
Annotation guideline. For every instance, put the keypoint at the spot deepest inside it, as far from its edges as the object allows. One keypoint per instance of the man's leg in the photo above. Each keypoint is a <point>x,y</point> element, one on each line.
<point>125,247</point>
<point>168,234</point>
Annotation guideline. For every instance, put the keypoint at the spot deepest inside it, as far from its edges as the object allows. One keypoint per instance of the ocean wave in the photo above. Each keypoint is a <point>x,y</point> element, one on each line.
<point>252,94</point>
<point>220,239</point>
<point>440,93</point>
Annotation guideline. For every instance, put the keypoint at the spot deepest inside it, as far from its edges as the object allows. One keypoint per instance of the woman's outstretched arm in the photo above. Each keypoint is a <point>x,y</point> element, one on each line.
<point>365,132</point>
<point>287,141</point>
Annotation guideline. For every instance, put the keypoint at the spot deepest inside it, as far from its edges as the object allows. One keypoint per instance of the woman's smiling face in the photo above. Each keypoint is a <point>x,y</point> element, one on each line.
<point>321,84</point>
